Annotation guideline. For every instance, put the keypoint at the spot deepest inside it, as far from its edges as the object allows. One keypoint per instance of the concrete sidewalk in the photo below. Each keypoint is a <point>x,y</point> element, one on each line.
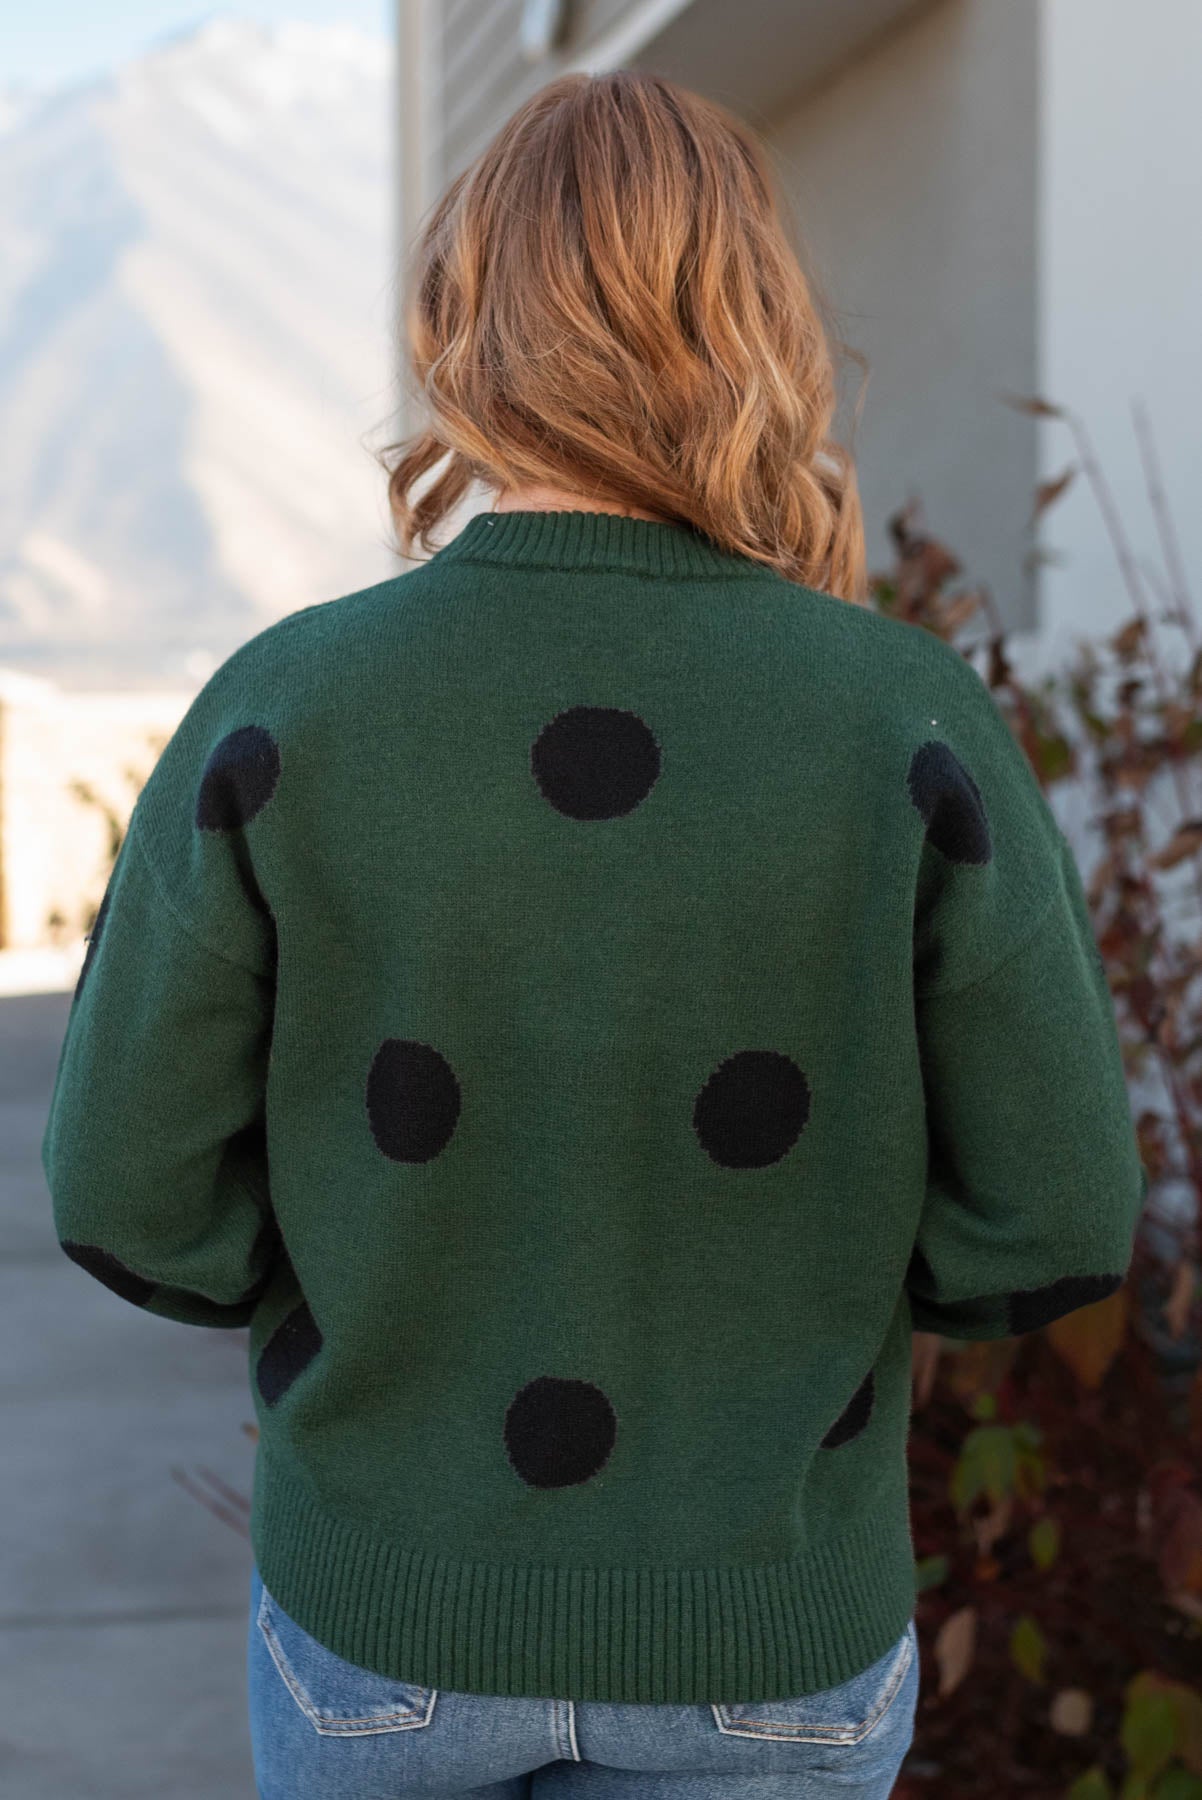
<point>122,1599</point>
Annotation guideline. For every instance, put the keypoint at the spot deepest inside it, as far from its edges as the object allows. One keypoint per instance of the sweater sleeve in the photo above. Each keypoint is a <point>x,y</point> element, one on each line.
<point>155,1144</point>
<point>1034,1183</point>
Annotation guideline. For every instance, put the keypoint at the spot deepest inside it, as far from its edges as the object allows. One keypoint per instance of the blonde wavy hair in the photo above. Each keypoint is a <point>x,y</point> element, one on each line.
<point>606,301</point>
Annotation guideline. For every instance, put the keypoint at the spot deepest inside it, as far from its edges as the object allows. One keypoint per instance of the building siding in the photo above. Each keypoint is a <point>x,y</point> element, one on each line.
<point>485,75</point>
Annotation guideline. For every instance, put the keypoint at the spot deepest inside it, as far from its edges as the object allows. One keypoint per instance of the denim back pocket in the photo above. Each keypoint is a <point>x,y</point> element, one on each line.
<point>337,1697</point>
<point>837,1715</point>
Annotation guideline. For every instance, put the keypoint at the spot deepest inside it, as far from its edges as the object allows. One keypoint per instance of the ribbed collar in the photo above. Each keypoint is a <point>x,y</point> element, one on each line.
<point>597,540</point>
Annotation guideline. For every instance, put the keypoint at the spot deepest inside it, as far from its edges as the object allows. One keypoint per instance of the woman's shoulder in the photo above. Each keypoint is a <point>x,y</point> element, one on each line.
<point>893,663</point>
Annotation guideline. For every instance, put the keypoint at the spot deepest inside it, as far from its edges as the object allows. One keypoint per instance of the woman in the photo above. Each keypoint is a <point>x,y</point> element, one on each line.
<point>582,1004</point>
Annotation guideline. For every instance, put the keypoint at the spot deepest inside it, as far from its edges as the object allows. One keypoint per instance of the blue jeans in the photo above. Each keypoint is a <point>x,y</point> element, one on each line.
<point>325,1729</point>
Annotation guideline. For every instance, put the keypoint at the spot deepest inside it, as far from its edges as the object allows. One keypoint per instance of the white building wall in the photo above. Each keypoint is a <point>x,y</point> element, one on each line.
<point>1121,283</point>
<point>54,847</point>
<point>912,176</point>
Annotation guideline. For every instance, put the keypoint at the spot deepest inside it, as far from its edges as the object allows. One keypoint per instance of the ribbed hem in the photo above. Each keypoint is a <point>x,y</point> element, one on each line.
<point>602,540</point>
<point>670,1635</point>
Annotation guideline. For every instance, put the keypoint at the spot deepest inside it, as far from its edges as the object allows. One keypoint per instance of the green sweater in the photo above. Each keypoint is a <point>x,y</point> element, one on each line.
<point>582,1004</point>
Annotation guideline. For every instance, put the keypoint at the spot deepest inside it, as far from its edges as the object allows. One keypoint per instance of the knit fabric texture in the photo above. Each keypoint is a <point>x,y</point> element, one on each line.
<point>581,1004</point>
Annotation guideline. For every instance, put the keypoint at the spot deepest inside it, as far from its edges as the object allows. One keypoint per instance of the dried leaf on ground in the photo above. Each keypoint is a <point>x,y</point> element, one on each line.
<point>1089,1339</point>
<point>955,1645</point>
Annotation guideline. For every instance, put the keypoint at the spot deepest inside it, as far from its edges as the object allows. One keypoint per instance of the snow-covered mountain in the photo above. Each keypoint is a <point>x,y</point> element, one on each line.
<point>197,295</point>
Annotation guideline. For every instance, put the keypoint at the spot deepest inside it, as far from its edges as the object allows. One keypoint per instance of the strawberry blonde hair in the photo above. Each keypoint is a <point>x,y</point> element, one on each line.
<point>606,301</point>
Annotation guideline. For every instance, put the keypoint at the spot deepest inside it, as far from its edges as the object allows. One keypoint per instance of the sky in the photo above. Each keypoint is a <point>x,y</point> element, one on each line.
<point>62,41</point>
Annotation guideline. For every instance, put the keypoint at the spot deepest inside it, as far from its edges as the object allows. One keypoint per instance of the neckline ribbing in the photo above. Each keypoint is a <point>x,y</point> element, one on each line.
<point>598,541</point>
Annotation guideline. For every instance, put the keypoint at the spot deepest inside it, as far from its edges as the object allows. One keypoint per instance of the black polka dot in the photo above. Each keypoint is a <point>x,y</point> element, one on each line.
<point>752,1109</point>
<point>238,780</point>
<point>950,802</point>
<point>558,1433</point>
<point>111,1271</point>
<point>854,1417</point>
<point>595,762</point>
<point>287,1353</point>
<point>413,1100</point>
<point>1031,1308</point>
<point>94,937</point>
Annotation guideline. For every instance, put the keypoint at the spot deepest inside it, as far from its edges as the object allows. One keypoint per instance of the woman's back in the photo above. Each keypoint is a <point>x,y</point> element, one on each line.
<point>589,902</point>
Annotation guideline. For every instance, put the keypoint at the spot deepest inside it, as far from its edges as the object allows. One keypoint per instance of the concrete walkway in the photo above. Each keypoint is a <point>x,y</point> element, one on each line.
<point>122,1599</point>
